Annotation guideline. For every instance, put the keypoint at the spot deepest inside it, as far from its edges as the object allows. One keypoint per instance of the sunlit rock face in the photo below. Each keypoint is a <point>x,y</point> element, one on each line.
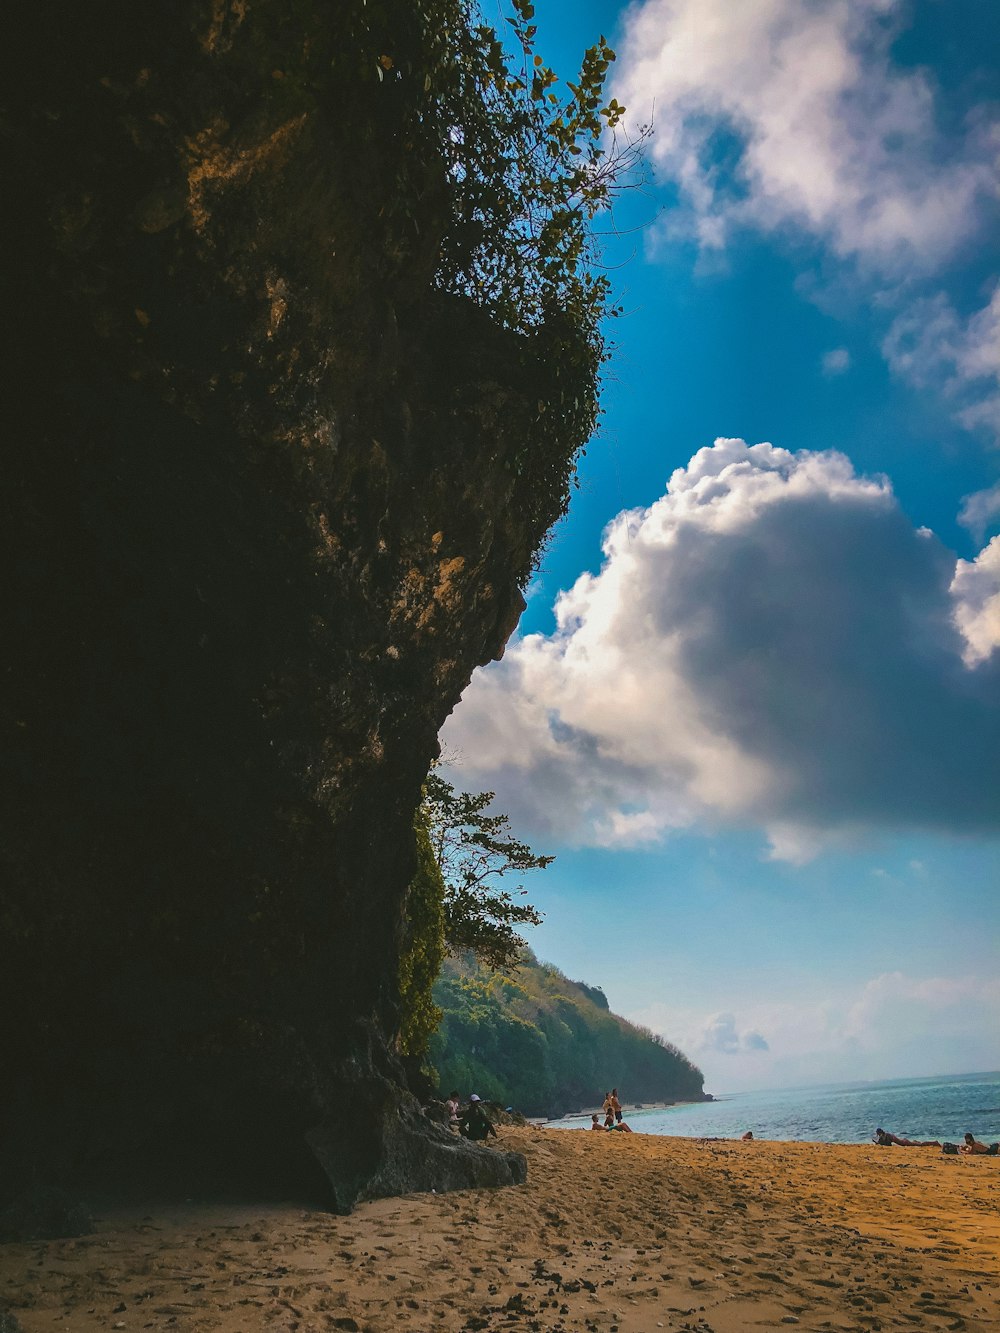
<point>268,505</point>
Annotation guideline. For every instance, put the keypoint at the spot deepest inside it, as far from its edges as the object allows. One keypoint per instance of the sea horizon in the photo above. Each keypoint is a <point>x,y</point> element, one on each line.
<point>929,1107</point>
<point>853,1083</point>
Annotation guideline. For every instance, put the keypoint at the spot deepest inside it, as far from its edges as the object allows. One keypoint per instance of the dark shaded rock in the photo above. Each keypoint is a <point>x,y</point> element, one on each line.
<point>501,1116</point>
<point>269,499</point>
<point>401,1151</point>
<point>43,1213</point>
<point>437,1113</point>
<point>8,1323</point>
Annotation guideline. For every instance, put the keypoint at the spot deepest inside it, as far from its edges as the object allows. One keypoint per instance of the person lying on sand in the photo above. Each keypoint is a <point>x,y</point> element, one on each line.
<point>885,1140</point>
<point>972,1145</point>
<point>609,1123</point>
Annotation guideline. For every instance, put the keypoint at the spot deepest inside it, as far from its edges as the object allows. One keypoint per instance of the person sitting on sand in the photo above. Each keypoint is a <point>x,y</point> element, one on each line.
<point>885,1140</point>
<point>476,1124</point>
<point>748,1136</point>
<point>595,1121</point>
<point>453,1105</point>
<point>609,1123</point>
<point>972,1145</point>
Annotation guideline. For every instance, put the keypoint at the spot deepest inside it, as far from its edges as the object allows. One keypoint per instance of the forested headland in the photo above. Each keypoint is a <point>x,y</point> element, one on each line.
<point>533,1039</point>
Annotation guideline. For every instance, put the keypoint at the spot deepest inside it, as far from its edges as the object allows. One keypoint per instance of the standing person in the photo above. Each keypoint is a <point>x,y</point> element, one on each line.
<point>616,1105</point>
<point>607,1103</point>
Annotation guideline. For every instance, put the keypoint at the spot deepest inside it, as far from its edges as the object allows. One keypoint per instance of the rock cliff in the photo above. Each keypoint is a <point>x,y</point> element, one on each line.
<point>271,493</point>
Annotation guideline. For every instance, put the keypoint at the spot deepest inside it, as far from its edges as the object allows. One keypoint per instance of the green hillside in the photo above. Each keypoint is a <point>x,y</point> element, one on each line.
<point>535,1040</point>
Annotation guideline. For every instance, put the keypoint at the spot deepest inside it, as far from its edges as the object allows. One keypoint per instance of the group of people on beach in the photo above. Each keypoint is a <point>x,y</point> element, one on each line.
<point>970,1146</point>
<point>612,1115</point>
<point>472,1122</point>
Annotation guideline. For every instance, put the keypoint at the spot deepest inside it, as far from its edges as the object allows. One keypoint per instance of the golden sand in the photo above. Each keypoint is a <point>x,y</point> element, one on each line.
<point>612,1233</point>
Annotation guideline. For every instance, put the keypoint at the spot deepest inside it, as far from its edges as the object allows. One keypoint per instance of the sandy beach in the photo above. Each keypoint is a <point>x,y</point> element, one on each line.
<point>612,1233</point>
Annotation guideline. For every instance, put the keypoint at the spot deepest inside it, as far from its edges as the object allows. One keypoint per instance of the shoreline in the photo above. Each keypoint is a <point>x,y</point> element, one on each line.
<point>631,1233</point>
<point>626,1108</point>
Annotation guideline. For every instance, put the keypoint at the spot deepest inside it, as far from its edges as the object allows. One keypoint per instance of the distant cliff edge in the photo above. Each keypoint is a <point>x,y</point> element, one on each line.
<point>547,1045</point>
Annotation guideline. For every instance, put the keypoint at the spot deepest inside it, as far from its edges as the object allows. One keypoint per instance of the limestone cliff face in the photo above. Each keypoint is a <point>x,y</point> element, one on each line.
<point>270,497</point>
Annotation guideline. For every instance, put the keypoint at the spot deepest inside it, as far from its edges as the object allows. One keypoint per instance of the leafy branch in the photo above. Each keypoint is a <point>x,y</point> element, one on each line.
<point>474,850</point>
<point>529,167</point>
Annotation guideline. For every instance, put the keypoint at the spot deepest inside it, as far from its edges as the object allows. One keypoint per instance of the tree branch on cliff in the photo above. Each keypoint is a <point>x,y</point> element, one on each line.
<point>474,849</point>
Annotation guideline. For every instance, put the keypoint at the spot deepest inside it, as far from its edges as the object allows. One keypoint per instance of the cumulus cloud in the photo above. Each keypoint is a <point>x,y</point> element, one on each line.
<point>979,510</point>
<point>931,345</point>
<point>775,113</point>
<point>770,644</point>
<point>721,1034</point>
<point>886,1027</point>
<point>976,590</point>
<point>794,120</point>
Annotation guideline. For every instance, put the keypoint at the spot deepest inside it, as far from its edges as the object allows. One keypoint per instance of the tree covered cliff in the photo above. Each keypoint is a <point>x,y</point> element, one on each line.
<point>546,1045</point>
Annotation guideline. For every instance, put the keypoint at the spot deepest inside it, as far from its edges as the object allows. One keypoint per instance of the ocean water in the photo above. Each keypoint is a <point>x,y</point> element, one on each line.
<point>916,1108</point>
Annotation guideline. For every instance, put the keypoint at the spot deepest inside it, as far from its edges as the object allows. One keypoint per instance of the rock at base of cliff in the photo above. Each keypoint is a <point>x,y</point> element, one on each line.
<point>400,1151</point>
<point>43,1213</point>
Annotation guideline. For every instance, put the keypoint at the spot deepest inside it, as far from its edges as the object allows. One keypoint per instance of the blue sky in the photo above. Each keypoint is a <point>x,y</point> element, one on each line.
<point>756,713</point>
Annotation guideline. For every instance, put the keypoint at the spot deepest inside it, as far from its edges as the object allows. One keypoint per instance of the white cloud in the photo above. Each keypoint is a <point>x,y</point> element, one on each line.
<point>931,345</point>
<point>913,1005</point>
<point>770,644</point>
<point>891,1026</point>
<point>979,510</point>
<point>721,1035</point>
<point>976,590</point>
<point>836,362</point>
<point>775,113</point>
<point>793,119</point>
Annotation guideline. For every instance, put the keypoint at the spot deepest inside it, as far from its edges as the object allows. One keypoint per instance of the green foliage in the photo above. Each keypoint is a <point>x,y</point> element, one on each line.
<point>529,162</point>
<point>474,849</point>
<point>540,1042</point>
<point>528,169</point>
<point>423,952</point>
